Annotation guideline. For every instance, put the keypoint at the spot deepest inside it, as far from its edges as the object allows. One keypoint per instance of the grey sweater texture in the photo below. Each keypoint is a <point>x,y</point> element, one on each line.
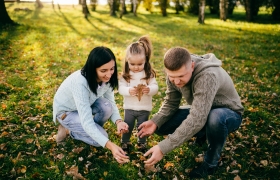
<point>209,87</point>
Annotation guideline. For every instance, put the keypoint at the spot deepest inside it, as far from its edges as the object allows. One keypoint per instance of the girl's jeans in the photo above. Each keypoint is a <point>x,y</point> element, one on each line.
<point>102,111</point>
<point>129,117</point>
<point>220,122</point>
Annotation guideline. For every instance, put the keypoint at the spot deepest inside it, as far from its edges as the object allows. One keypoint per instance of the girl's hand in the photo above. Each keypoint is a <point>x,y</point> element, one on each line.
<point>117,152</point>
<point>146,90</point>
<point>122,127</point>
<point>133,91</point>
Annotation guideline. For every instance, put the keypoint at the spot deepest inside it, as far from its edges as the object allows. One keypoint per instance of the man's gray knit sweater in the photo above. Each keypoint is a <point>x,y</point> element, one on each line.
<point>209,87</point>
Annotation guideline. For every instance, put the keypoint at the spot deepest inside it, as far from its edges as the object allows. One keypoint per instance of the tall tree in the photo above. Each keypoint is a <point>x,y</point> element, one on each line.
<point>201,11</point>
<point>39,4</point>
<point>223,9</point>
<point>123,11</point>
<point>85,9</point>
<point>194,7</point>
<point>4,16</point>
<point>113,7</point>
<point>163,6</point>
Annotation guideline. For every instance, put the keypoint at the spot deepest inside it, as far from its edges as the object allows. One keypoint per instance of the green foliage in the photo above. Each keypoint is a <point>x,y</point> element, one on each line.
<point>49,44</point>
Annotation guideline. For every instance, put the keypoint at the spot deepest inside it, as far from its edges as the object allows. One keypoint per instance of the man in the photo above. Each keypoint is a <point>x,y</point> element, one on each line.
<point>215,108</point>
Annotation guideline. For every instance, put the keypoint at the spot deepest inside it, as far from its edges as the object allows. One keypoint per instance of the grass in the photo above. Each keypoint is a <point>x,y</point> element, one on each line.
<point>49,44</point>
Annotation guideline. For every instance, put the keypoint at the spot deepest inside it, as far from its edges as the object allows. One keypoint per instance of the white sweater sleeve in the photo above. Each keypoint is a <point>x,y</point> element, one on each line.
<point>153,85</point>
<point>124,87</point>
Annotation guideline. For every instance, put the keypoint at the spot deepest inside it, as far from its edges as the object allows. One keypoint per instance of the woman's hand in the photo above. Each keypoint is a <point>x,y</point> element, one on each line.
<point>117,152</point>
<point>122,127</point>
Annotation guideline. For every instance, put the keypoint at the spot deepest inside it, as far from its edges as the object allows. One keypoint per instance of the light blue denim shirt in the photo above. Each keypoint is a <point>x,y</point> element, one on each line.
<point>74,94</point>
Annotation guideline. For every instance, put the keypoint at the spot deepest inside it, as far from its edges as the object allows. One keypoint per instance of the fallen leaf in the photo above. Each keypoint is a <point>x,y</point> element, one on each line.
<point>236,178</point>
<point>60,156</point>
<point>168,164</point>
<point>264,162</point>
<point>73,171</point>
<point>28,141</point>
<point>77,150</point>
<point>149,168</point>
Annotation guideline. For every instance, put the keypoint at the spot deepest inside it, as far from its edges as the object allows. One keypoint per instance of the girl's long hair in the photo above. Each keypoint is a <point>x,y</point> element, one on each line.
<point>142,46</point>
<point>97,58</point>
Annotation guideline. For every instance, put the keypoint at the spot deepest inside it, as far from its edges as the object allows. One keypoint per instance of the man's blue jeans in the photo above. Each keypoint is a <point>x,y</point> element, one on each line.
<point>101,111</point>
<point>220,122</point>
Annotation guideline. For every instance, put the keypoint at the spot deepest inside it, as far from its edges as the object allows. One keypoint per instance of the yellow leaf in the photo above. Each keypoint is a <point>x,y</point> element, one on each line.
<point>168,164</point>
<point>5,133</point>
<point>4,106</point>
<point>23,169</point>
<point>28,141</point>
<point>105,173</point>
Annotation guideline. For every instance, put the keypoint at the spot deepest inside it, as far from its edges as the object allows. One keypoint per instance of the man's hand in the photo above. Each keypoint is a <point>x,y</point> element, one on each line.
<point>146,129</point>
<point>157,155</point>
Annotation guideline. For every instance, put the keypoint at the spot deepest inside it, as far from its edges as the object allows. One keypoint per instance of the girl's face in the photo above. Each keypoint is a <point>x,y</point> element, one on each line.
<point>136,62</point>
<point>105,71</point>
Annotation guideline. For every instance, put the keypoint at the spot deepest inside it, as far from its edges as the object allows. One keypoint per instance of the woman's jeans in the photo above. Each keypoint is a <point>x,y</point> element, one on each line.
<point>220,122</point>
<point>130,117</point>
<point>101,111</point>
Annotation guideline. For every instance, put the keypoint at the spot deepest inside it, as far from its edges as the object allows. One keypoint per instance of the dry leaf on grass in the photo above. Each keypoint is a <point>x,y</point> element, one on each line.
<point>139,89</point>
<point>150,168</point>
<point>73,171</point>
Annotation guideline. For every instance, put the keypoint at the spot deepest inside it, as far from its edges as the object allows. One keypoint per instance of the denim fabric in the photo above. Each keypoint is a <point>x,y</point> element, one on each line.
<point>129,117</point>
<point>101,110</point>
<point>220,122</point>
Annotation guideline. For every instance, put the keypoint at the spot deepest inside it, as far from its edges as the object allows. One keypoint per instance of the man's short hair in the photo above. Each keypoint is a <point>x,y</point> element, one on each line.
<point>176,57</point>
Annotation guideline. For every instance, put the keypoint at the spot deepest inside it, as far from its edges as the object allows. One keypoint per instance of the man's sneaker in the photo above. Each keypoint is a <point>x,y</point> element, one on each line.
<point>61,134</point>
<point>200,140</point>
<point>126,147</point>
<point>202,171</point>
<point>142,147</point>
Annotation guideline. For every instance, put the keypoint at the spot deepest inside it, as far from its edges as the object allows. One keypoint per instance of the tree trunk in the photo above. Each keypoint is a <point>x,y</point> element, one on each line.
<point>135,5</point>
<point>124,11</point>
<point>276,11</point>
<point>201,12</point>
<point>248,9</point>
<point>4,16</point>
<point>223,9</point>
<point>85,9</point>
<point>163,6</point>
<point>39,4</point>
<point>177,6</point>
<point>113,6</point>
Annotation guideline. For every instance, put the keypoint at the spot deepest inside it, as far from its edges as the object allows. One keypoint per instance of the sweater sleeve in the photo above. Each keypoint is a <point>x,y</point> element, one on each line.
<point>123,87</point>
<point>153,85</point>
<point>109,94</point>
<point>204,90</point>
<point>170,105</point>
<point>80,94</point>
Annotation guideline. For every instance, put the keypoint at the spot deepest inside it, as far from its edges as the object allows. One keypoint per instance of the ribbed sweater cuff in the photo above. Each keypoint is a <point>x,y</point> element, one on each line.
<point>159,121</point>
<point>165,146</point>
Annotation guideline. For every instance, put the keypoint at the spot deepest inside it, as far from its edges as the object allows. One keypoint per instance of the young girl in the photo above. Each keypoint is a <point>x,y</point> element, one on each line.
<point>137,85</point>
<point>85,101</point>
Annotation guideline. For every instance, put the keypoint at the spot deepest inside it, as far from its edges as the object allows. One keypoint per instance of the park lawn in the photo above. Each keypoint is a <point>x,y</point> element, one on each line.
<point>49,44</point>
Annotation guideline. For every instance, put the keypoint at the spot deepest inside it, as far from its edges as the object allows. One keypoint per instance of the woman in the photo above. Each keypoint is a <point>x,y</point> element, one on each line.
<point>85,101</point>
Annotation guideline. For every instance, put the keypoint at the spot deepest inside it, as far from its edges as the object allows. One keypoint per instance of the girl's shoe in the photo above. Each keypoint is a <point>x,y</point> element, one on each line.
<point>142,147</point>
<point>126,147</point>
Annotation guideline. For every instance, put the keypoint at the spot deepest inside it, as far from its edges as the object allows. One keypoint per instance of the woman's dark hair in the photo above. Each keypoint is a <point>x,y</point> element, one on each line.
<point>97,58</point>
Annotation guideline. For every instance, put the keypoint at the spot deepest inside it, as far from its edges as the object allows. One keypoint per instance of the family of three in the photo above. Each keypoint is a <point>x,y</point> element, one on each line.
<point>85,101</point>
